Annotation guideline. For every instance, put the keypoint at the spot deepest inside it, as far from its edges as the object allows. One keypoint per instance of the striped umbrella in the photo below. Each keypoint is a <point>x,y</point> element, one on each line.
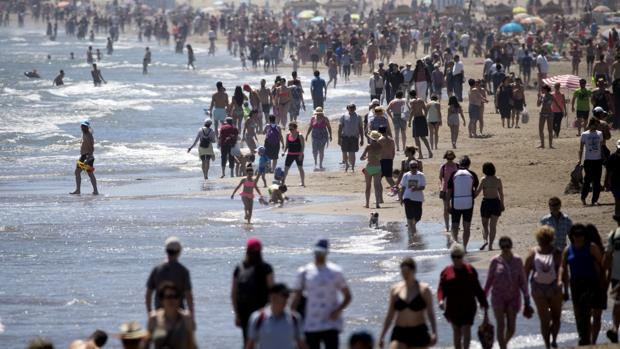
<point>570,82</point>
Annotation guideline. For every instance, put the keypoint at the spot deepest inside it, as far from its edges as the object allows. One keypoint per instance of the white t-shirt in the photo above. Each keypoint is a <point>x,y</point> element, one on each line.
<point>541,61</point>
<point>458,68</point>
<point>322,287</point>
<point>409,181</point>
<point>592,144</point>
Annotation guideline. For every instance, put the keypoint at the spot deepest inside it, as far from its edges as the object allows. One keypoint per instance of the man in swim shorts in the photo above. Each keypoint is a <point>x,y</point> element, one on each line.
<point>87,160</point>
<point>219,103</point>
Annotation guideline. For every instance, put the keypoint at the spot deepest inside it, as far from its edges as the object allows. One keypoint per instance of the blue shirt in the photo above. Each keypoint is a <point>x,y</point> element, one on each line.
<point>561,227</point>
<point>275,332</point>
<point>317,87</point>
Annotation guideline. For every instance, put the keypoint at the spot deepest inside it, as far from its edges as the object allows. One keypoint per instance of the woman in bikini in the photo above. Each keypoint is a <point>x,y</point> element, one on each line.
<point>249,130</point>
<point>372,172</point>
<point>247,194</point>
<point>411,303</point>
<point>492,203</point>
<point>294,150</point>
<point>235,108</point>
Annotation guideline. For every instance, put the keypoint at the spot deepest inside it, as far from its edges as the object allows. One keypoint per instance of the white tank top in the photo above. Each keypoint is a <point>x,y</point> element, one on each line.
<point>544,268</point>
<point>462,198</point>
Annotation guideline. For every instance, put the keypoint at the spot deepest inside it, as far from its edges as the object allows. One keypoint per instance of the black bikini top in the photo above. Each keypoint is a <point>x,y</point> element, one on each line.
<point>416,304</point>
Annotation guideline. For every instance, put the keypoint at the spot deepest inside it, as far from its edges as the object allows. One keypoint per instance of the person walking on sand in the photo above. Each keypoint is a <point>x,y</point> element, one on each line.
<point>219,103</point>
<point>372,172</point>
<point>190,57</point>
<point>518,102</point>
<point>592,141</point>
<point>294,150</point>
<point>275,326</point>
<point>327,296</point>
<point>97,77</point>
<point>559,221</point>
<point>582,97</point>
<point>545,101</point>
<point>543,263</point>
<point>558,108</point>
<point>476,100</point>
<point>454,110</point>
<point>273,140</point>
<point>418,123</point>
<point>506,279</point>
<point>397,111</point>
<point>411,195</point>
<point>350,136</point>
<point>445,173</point>
<point>612,177</point>
<point>252,279</point>
<point>206,137</point>
<point>321,136</point>
<point>504,101</point>
<point>247,193</point>
<point>492,203</point>
<point>249,130</point>
<point>410,309</point>
<point>265,99</point>
<point>170,271</point>
<point>458,290</point>
<point>388,152</point>
<point>434,120</point>
<point>87,160</point>
<point>227,139</point>
<point>462,187</point>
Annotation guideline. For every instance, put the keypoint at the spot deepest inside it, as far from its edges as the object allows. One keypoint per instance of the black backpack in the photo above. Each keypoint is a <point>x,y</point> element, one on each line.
<point>205,140</point>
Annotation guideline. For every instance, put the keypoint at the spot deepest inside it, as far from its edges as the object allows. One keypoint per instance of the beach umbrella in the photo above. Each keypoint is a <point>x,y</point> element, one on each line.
<point>355,17</point>
<point>520,16</point>
<point>570,82</point>
<point>601,9</point>
<point>63,4</point>
<point>511,28</point>
<point>317,19</point>
<point>518,9</point>
<point>306,14</point>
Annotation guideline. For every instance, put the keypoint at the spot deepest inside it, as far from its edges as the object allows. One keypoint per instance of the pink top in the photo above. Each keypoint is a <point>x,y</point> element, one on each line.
<point>505,280</point>
<point>558,105</point>
<point>445,172</point>
<point>318,124</point>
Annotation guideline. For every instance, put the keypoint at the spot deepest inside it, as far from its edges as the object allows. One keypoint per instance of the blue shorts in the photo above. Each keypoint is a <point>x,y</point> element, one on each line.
<point>219,114</point>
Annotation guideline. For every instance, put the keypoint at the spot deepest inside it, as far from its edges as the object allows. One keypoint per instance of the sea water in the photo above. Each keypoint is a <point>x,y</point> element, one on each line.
<point>72,264</point>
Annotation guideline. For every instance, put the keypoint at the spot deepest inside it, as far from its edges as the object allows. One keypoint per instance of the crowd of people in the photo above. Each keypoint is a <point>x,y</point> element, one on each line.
<point>566,261</point>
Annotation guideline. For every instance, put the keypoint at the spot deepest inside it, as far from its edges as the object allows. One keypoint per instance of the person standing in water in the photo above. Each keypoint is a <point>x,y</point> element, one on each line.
<point>190,57</point>
<point>206,136</point>
<point>87,160</point>
<point>219,103</point>
<point>97,77</point>
<point>247,194</point>
<point>58,80</point>
<point>109,46</point>
<point>146,61</point>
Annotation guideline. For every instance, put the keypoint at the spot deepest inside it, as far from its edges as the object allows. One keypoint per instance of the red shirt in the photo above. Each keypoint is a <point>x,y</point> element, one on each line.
<point>228,135</point>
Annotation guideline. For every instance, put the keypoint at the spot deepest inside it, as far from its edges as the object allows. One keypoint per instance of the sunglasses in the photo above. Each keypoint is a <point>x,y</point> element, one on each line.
<point>171,296</point>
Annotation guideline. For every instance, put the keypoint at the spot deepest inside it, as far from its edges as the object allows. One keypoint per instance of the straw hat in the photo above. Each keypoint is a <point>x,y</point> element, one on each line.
<point>318,110</point>
<point>132,330</point>
<point>374,135</point>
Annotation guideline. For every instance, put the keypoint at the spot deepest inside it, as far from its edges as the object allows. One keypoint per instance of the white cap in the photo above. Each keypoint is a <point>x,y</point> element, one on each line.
<point>173,244</point>
<point>599,110</point>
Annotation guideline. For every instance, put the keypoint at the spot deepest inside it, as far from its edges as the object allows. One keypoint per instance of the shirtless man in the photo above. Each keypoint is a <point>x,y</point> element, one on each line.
<point>254,103</point>
<point>601,69</point>
<point>283,102</point>
<point>265,99</point>
<point>97,77</point>
<point>418,111</point>
<point>476,99</point>
<point>518,97</point>
<point>371,54</point>
<point>396,111</point>
<point>87,160</point>
<point>219,103</point>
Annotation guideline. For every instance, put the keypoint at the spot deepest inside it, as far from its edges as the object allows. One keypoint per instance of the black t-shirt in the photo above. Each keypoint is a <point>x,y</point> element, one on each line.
<point>613,166</point>
<point>252,292</point>
<point>174,272</point>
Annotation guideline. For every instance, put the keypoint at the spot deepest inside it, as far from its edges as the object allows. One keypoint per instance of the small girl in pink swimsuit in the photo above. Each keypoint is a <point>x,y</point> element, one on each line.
<point>247,194</point>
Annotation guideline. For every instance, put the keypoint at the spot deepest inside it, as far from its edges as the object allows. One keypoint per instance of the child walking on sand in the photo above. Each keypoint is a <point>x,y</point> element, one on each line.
<point>247,194</point>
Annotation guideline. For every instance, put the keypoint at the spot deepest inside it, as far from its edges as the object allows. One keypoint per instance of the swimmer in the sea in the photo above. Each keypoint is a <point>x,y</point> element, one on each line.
<point>89,55</point>
<point>33,74</point>
<point>87,160</point>
<point>71,55</point>
<point>97,77</point>
<point>58,80</point>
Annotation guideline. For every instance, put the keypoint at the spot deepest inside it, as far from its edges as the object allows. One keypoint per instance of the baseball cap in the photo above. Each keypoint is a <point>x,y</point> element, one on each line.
<point>219,84</point>
<point>208,122</point>
<point>173,244</point>
<point>321,246</point>
<point>254,244</point>
<point>599,110</point>
<point>85,123</point>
